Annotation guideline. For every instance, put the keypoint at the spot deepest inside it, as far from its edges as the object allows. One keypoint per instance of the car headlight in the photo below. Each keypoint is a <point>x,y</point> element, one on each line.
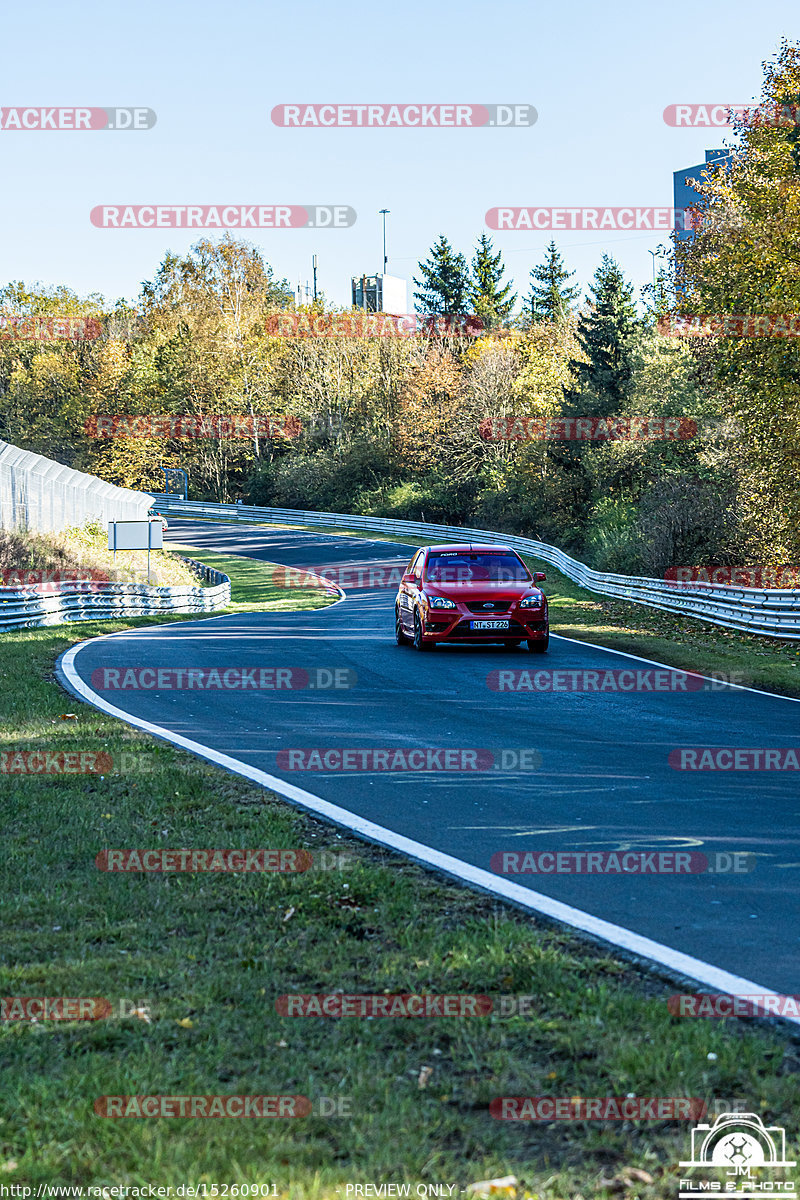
<point>532,602</point>
<point>441,602</point>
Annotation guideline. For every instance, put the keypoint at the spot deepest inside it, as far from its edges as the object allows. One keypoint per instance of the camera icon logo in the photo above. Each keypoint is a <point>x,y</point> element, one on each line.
<point>739,1141</point>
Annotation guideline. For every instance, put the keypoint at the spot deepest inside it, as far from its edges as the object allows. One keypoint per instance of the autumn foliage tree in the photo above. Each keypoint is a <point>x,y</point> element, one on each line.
<point>743,260</point>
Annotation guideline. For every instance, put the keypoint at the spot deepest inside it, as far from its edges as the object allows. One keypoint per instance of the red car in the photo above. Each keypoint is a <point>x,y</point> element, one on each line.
<point>471,593</point>
<point>157,516</point>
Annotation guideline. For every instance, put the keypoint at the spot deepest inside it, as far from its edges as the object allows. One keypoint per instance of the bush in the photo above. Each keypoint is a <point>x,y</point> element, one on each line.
<point>686,521</point>
<point>612,540</point>
<point>536,499</point>
<point>327,480</point>
<point>427,499</point>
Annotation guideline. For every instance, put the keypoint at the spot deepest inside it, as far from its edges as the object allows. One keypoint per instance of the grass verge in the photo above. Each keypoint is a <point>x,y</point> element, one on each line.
<point>81,552</point>
<point>193,964</point>
<point>253,587</point>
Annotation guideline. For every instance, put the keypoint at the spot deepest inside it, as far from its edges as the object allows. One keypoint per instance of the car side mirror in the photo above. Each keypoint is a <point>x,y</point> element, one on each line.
<point>539,577</point>
<point>409,578</point>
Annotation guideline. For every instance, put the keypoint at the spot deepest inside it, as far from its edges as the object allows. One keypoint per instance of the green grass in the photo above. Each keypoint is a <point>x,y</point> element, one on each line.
<point>209,955</point>
<point>256,590</point>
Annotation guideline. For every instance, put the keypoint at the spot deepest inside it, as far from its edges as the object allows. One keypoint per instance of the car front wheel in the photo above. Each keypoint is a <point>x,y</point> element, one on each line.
<point>538,647</point>
<point>419,644</point>
<point>399,635</point>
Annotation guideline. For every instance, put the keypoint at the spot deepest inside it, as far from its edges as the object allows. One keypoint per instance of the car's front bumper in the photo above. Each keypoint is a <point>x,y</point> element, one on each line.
<point>438,626</point>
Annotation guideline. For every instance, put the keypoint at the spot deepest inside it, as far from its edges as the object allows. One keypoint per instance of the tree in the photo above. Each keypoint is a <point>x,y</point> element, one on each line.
<point>601,380</point>
<point>444,289</point>
<point>42,373</point>
<point>205,319</point>
<point>742,260</point>
<point>659,297</point>
<point>605,333</point>
<point>492,300</point>
<point>549,298</point>
<point>428,418</point>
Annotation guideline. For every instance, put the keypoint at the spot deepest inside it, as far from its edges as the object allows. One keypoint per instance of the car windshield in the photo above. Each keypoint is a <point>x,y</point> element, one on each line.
<point>481,567</point>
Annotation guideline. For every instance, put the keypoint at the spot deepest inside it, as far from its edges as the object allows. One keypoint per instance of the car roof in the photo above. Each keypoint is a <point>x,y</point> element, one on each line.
<point>473,547</point>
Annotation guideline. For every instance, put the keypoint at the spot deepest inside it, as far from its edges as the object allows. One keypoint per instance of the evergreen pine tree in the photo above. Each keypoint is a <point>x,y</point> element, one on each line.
<point>604,334</point>
<point>444,289</point>
<point>549,298</point>
<point>600,384</point>
<point>492,300</point>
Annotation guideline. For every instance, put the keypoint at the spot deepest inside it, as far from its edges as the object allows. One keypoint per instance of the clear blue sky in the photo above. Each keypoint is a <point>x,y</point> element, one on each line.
<point>599,75</point>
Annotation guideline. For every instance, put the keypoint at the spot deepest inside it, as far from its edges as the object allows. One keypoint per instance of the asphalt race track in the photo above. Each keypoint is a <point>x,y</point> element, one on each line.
<point>604,783</point>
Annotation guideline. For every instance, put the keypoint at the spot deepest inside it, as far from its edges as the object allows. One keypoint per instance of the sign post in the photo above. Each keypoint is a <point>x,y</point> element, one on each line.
<point>136,535</point>
<point>176,481</point>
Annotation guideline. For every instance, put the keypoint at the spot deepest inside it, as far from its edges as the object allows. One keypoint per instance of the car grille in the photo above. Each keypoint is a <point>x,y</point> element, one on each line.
<point>480,606</point>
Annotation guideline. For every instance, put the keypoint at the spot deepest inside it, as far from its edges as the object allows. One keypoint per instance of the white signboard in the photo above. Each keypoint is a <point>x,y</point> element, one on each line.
<point>135,535</point>
<point>394,295</point>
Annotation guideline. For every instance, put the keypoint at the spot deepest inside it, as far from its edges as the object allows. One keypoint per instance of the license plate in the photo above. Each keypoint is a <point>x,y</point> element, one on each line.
<point>489,624</point>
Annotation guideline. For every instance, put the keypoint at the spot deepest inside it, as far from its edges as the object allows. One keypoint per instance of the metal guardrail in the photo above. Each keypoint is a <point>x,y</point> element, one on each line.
<point>36,605</point>
<point>770,612</point>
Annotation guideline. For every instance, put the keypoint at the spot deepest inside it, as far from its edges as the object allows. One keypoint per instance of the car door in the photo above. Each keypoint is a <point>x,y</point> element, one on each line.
<point>410,591</point>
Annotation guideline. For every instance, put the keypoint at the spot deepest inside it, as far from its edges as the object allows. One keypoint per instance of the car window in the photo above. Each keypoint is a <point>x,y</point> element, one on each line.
<point>415,566</point>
